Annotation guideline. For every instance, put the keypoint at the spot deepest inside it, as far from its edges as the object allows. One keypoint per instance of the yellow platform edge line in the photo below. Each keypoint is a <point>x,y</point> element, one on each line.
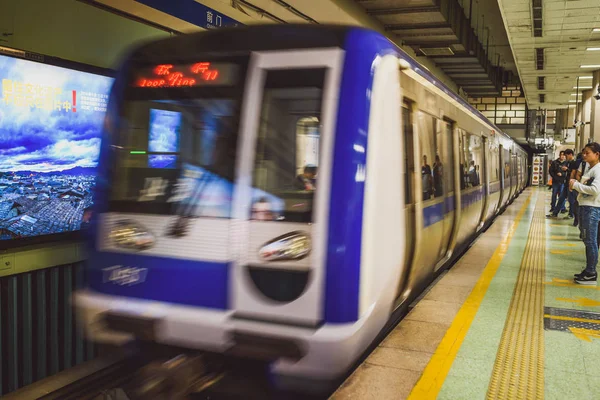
<point>434,375</point>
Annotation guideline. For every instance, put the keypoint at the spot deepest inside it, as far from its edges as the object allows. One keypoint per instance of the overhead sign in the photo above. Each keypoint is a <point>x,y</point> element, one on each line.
<point>192,12</point>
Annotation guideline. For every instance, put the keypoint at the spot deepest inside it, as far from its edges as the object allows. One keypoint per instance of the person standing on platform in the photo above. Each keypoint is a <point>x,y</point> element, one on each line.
<point>576,170</point>
<point>589,206</point>
<point>558,180</point>
<point>566,169</point>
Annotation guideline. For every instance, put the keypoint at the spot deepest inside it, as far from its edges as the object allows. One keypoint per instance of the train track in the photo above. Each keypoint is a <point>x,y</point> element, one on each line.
<point>82,382</point>
<point>182,377</point>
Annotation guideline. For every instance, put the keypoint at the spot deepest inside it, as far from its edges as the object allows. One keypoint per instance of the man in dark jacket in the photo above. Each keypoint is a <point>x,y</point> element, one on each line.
<point>558,181</point>
<point>566,169</point>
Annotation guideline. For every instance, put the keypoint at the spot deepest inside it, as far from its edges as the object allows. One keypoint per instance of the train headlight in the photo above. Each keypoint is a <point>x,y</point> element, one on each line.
<point>288,247</point>
<point>131,235</point>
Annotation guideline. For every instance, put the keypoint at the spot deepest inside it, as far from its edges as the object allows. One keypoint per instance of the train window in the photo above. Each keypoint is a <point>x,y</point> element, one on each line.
<point>287,149</point>
<point>494,160</point>
<point>426,127</point>
<point>506,167</point>
<point>176,154</point>
<point>442,165</point>
<point>407,123</point>
<point>471,159</point>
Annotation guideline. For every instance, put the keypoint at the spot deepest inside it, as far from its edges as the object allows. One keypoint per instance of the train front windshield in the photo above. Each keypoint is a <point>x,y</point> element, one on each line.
<point>179,131</point>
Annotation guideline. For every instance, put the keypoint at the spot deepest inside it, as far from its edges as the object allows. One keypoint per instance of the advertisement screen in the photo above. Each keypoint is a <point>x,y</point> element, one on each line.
<point>164,138</point>
<point>50,126</point>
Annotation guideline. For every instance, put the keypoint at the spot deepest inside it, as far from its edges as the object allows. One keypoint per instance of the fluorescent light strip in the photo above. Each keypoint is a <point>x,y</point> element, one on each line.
<point>582,87</point>
<point>596,30</point>
<point>585,77</point>
<point>593,49</point>
<point>590,66</point>
<point>576,94</point>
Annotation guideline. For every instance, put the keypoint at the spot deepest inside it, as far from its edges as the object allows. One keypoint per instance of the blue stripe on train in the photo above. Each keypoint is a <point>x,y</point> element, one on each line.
<point>190,282</point>
<point>344,238</point>
<point>436,212</point>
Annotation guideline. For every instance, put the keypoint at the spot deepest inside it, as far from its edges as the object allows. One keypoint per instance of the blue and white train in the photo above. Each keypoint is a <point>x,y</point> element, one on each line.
<point>279,191</point>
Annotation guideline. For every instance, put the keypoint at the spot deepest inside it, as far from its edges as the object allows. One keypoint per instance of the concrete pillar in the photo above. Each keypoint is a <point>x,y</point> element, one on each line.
<point>595,110</point>
<point>586,114</point>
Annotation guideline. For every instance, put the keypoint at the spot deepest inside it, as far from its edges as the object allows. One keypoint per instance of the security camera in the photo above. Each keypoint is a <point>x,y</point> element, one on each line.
<point>597,95</point>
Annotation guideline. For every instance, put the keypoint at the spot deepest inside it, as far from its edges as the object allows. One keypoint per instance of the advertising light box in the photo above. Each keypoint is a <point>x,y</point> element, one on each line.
<point>51,120</point>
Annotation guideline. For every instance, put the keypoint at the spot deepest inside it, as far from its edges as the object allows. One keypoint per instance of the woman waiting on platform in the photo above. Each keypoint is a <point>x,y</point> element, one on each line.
<point>589,208</point>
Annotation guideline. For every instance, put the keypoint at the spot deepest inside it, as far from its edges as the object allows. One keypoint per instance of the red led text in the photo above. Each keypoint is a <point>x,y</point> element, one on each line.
<point>166,76</point>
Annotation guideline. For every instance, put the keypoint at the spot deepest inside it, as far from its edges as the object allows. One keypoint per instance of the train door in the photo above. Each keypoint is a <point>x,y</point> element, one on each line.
<point>471,167</point>
<point>413,270</point>
<point>511,174</point>
<point>504,180</point>
<point>409,185</point>
<point>281,196</point>
<point>515,169</point>
<point>443,179</point>
<point>431,208</point>
<point>485,181</point>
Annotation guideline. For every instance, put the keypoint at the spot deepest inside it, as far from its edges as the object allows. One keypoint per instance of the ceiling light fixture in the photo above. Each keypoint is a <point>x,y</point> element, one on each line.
<point>576,94</point>
<point>585,77</point>
<point>593,49</point>
<point>582,87</point>
<point>596,30</point>
<point>590,66</point>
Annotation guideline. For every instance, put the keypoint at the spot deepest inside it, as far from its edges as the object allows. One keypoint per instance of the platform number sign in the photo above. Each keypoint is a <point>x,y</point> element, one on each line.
<point>193,12</point>
<point>218,20</point>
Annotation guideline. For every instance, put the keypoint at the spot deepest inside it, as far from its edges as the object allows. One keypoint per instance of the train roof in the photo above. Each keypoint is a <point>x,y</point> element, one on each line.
<point>251,38</point>
<point>269,37</point>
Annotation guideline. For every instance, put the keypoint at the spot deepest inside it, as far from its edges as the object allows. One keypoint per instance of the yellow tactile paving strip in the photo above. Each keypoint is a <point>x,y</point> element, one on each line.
<point>519,367</point>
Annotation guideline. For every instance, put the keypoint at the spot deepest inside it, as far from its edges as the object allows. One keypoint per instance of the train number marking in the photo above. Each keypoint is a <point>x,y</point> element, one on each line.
<point>124,276</point>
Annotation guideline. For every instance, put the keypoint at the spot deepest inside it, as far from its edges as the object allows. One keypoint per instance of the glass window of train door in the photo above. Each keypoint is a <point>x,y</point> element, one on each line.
<point>462,159</point>
<point>426,126</point>
<point>474,148</point>
<point>282,189</point>
<point>409,161</point>
<point>445,158</point>
<point>494,159</point>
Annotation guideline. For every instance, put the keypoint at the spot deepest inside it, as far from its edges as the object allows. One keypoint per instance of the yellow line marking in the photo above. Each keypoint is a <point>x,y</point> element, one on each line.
<point>558,280</point>
<point>557,237</point>
<point>519,366</point>
<point>561,251</point>
<point>584,334</point>
<point>434,375</point>
<point>569,244</point>
<point>582,301</point>
<point>567,283</point>
<point>574,319</point>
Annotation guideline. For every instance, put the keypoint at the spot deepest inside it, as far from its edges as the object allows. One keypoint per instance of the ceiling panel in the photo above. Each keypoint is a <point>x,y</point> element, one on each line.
<point>566,33</point>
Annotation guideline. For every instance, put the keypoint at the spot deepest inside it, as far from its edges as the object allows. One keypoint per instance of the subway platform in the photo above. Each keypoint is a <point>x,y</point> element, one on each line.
<point>505,322</point>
